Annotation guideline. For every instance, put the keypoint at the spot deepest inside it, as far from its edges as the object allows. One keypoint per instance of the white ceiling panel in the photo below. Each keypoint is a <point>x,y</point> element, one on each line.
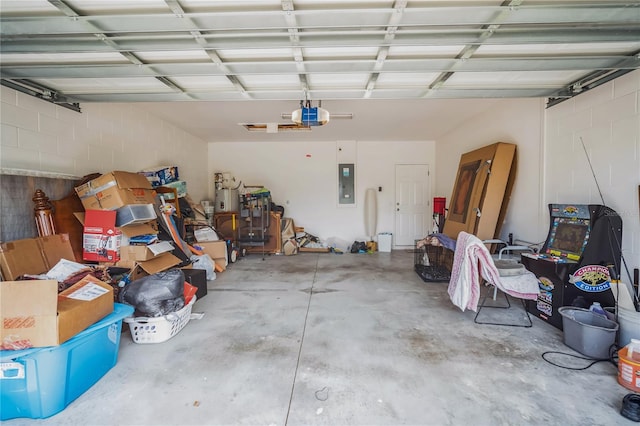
<point>103,7</point>
<point>341,52</point>
<point>26,7</point>
<point>63,58</point>
<point>270,82</point>
<point>202,6</point>
<point>333,81</point>
<point>600,49</point>
<point>106,85</point>
<point>424,51</point>
<point>203,83</point>
<point>510,79</point>
<point>248,53</point>
<point>389,81</point>
<point>172,56</point>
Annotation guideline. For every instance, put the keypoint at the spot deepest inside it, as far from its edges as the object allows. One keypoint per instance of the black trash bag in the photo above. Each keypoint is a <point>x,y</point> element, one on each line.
<point>185,209</point>
<point>155,295</point>
<point>358,246</point>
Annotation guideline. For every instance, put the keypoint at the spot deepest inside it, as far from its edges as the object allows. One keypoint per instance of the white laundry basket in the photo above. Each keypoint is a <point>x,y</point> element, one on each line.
<point>159,329</point>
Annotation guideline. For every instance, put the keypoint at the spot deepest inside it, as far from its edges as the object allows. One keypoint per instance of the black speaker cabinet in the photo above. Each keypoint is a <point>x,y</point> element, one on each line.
<point>198,278</point>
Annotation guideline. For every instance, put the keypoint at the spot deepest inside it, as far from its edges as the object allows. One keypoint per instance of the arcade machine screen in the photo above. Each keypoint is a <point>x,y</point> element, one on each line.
<point>568,238</point>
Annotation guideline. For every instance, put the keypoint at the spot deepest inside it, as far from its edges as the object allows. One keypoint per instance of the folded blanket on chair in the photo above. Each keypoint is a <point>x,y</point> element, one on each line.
<point>471,262</point>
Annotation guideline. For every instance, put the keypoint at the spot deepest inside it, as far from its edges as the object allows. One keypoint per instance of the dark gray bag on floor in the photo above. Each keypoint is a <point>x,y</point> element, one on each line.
<point>155,295</point>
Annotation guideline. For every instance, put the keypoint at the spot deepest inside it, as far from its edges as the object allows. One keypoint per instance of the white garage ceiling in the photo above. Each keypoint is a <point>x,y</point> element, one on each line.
<point>354,55</point>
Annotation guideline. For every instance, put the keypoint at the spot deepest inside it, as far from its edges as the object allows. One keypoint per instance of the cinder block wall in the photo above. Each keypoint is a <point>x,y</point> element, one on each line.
<point>607,120</point>
<point>42,139</point>
<point>41,136</point>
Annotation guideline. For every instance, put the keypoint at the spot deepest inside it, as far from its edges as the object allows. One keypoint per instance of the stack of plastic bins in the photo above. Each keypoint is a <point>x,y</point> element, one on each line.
<point>40,382</point>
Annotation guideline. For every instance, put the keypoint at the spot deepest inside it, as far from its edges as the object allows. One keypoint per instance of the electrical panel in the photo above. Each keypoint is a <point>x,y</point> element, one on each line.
<point>346,183</point>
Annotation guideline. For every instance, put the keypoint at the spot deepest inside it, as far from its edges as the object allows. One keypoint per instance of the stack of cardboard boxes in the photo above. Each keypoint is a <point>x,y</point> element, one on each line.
<point>120,206</point>
<point>83,322</point>
<point>111,220</point>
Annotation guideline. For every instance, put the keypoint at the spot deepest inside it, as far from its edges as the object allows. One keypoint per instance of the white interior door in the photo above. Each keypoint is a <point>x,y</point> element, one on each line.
<point>413,206</point>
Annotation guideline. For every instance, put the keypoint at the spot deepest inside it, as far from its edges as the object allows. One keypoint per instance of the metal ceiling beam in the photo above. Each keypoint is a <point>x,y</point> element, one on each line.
<point>186,69</point>
<point>541,34</point>
<point>383,50</point>
<point>98,33</point>
<point>197,35</point>
<point>294,45</point>
<point>41,92</point>
<point>293,95</point>
<point>335,18</point>
<point>587,82</point>
<point>467,51</point>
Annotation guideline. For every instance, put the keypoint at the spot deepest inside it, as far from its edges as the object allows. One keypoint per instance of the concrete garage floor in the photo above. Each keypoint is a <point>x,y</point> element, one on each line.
<point>353,339</point>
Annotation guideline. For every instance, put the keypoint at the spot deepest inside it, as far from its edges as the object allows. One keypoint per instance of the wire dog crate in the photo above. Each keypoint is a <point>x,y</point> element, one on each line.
<point>429,262</point>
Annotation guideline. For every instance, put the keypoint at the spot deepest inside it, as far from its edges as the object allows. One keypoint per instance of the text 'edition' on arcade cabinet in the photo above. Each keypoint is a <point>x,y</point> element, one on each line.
<point>575,263</point>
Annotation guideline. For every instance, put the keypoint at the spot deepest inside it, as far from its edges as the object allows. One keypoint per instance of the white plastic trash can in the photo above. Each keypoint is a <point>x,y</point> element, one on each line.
<point>384,242</point>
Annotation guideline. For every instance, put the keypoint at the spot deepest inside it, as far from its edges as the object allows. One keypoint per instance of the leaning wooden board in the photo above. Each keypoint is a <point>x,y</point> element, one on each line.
<point>313,249</point>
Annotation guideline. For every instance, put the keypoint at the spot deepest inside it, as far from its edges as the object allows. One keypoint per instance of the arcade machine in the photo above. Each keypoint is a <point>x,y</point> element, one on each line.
<point>575,263</point>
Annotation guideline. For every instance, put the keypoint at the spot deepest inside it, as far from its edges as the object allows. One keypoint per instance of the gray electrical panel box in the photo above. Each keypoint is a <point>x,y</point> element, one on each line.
<point>346,183</point>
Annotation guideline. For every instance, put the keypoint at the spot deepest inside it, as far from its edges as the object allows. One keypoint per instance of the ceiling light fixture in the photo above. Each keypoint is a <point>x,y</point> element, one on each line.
<point>309,116</point>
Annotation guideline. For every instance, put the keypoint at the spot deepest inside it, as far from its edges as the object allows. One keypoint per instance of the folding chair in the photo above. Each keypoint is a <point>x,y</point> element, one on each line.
<point>508,266</point>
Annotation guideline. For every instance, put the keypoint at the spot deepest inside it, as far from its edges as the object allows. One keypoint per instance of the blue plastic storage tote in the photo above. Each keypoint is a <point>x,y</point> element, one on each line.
<point>41,382</point>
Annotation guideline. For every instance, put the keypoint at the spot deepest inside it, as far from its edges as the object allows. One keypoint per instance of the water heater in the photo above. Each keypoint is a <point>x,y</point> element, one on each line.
<point>226,200</point>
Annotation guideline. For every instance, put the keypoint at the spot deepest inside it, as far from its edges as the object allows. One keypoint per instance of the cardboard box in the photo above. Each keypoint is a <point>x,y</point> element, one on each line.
<point>55,248</point>
<point>40,382</point>
<point>128,231</point>
<point>138,229</point>
<point>101,239</point>
<point>149,267</point>
<point>221,263</point>
<point>33,255</point>
<point>114,190</point>
<point>217,250</point>
<point>161,175</point>
<point>144,253</point>
<point>81,305</point>
<point>33,314</point>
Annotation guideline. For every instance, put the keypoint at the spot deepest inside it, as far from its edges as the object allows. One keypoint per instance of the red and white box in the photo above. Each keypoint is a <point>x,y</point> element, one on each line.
<point>101,239</point>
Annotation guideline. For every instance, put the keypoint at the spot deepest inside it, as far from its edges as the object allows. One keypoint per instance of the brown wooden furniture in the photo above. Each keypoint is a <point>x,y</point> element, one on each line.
<point>66,222</point>
<point>226,223</point>
<point>43,214</point>
<point>174,200</point>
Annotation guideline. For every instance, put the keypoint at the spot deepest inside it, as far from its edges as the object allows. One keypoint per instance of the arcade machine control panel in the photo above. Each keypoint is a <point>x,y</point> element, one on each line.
<point>573,266</point>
